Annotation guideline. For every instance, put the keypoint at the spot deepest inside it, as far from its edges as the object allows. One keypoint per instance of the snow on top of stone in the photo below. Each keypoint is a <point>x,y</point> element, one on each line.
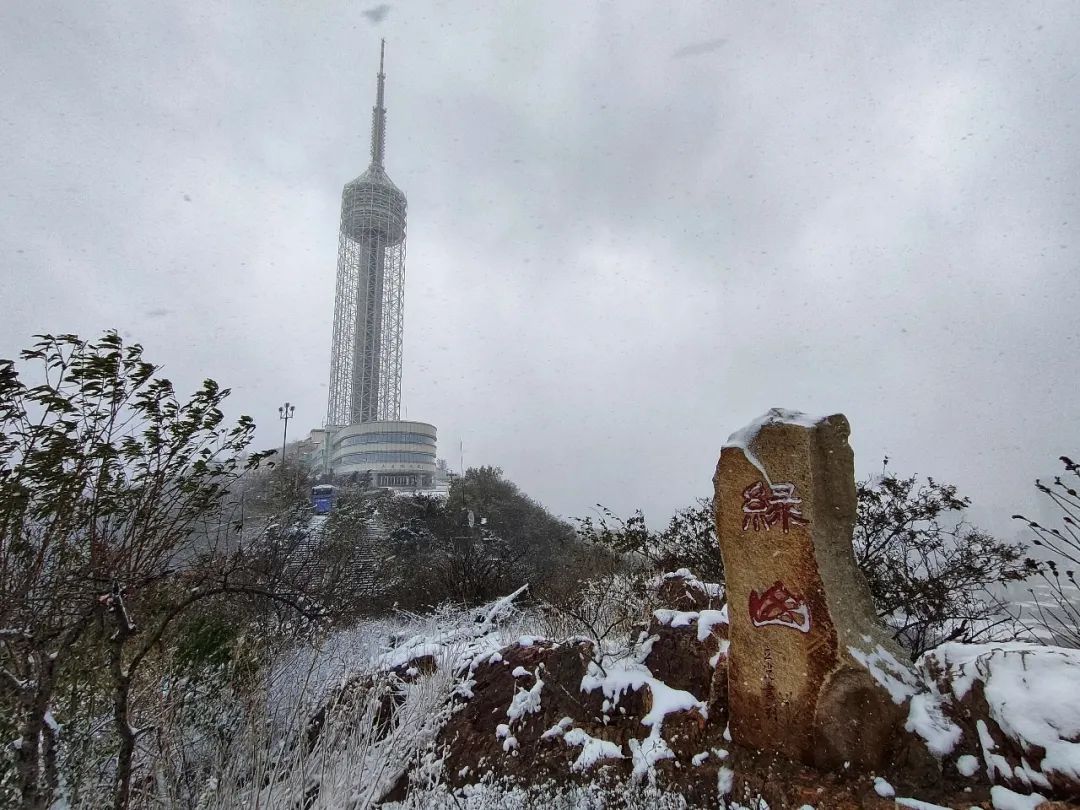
<point>1031,694</point>
<point>709,619</point>
<point>725,780</point>
<point>927,719</point>
<point>705,619</point>
<point>646,753</point>
<point>962,660</point>
<point>675,618</point>
<point>774,416</point>
<point>1029,691</point>
<point>744,437</point>
<point>882,665</point>
<point>918,804</point>
<point>593,750</point>
<point>967,765</point>
<point>711,588</point>
<point>616,678</point>
<point>1005,799</point>
<point>559,729</point>
<point>882,788</point>
<point>667,700</point>
<point>526,701</point>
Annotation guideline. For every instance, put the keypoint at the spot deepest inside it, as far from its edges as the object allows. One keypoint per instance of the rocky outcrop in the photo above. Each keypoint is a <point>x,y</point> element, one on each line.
<point>1012,714</point>
<point>681,590</point>
<point>510,700</point>
<point>539,711</point>
<point>781,684</point>
<point>689,648</point>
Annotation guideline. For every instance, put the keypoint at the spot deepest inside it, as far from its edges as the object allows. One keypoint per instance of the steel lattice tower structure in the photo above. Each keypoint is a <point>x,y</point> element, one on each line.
<point>365,356</point>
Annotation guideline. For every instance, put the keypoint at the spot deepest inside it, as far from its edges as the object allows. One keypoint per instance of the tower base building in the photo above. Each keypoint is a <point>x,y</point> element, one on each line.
<point>399,455</point>
<point>392,454</point>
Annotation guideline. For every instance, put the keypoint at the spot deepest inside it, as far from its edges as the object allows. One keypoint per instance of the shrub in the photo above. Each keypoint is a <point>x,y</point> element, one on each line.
<point>933,576</point>
<point>1057,601</point>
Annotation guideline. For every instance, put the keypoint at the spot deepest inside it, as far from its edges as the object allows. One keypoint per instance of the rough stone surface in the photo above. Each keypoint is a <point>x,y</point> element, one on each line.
<point>698,758</point>
<point>785,511</point>
<point>686,660</point>
<point>473,744</point>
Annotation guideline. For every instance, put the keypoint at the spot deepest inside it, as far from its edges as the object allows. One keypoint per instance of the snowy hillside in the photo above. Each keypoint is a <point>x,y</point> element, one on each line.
<point>509,706</point>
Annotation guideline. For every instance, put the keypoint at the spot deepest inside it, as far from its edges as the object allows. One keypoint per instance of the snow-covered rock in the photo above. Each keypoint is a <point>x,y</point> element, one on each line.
<point>1016,708</point>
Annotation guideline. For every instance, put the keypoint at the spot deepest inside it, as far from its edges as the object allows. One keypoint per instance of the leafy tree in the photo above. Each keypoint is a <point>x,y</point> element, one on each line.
<point>483,540</point>
<point>113,524</point>
<point>439,555</point>
<point>933,576</point>
<point>1058,599</point>
<point>377,550</point>
<point>535,539</point>
<point>273,488</point>
<point>348,563</point>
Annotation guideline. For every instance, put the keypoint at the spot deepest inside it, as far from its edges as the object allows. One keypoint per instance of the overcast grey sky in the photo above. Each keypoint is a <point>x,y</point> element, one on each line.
<point>633,227</point>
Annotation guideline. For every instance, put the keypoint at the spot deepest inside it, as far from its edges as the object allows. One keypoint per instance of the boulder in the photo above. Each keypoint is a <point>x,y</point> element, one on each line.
<point>686,647</point>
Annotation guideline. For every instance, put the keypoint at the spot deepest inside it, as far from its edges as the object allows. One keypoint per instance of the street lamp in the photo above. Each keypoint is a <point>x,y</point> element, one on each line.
<point>285,412</point>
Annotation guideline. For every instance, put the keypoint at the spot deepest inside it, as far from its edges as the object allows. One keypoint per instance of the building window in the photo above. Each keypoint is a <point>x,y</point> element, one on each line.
<point>392,438</point>
<point>399,480</point>
<point>387,457</point>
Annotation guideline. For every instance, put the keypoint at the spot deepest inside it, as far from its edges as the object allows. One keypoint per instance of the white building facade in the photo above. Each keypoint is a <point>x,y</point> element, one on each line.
<point>394,454</point>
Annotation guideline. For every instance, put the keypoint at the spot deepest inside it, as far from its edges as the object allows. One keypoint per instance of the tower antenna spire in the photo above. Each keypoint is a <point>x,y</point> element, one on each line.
<point>365,360</point>
<point>378,114</point>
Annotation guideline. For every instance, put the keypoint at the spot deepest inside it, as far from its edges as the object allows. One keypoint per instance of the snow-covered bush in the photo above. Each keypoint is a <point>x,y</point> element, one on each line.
<point>339,723</point>
<point>607,610</point>
<point>504,794</point>
<point>688,541</point>
<point>933,576</point>
<point>1057,596</point>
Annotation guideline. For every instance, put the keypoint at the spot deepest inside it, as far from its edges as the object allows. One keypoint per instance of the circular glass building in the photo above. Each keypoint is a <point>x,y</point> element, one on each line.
<point>395,454</point>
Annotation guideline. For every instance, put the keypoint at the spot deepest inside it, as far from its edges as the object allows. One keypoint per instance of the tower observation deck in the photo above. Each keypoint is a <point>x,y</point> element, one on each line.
<point>365,356</point>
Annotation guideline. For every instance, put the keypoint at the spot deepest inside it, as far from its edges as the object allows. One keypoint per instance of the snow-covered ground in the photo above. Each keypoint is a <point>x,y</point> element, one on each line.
<point>355,756</point>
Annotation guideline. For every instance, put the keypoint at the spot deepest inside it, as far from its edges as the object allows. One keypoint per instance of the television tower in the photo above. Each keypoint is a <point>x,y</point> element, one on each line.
<point>364,441</point>
<point>365,356</point>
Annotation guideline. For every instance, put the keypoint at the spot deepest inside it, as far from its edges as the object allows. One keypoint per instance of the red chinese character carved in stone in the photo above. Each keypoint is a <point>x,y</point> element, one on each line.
<point>766,506</point>
<point>779,606</point>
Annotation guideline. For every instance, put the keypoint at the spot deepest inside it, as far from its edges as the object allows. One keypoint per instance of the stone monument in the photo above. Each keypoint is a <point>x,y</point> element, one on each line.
<point>802,621</point>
